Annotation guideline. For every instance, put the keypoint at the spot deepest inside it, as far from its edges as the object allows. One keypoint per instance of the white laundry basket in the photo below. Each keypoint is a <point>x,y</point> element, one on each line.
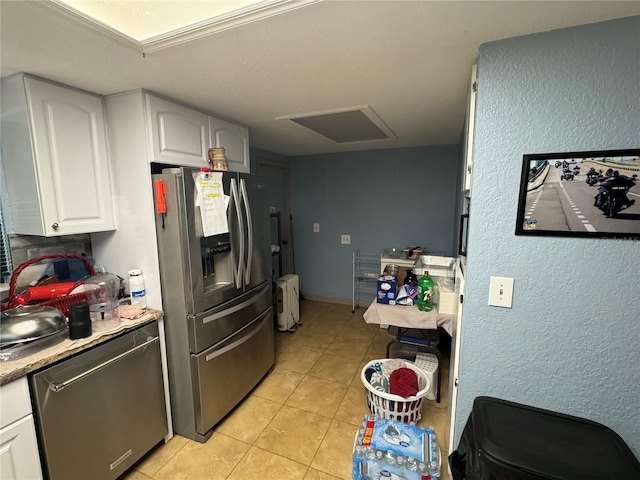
<point>395,407</point>
<point>428,363</point>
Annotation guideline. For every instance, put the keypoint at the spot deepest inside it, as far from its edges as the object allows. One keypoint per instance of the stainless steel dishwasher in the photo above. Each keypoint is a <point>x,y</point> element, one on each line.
<point>99,412</point>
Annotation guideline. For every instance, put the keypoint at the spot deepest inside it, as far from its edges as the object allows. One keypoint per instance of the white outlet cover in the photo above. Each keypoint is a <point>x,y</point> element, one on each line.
<point>345,239</point>
<point>501,292</point>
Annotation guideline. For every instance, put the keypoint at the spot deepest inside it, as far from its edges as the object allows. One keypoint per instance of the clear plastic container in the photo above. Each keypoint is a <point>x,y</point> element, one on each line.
<point>102,297</point>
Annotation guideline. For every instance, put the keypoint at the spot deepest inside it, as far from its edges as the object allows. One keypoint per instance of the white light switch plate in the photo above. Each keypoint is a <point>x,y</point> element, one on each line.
<point>316,227</point>
<point>501,292</point>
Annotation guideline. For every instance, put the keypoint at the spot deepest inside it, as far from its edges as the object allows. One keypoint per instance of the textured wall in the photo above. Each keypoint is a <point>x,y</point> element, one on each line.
<point>571,341</point>
<point>382,198</point>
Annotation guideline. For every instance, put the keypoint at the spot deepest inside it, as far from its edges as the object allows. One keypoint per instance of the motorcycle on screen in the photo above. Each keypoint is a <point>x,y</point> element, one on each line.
<point>612,194</point>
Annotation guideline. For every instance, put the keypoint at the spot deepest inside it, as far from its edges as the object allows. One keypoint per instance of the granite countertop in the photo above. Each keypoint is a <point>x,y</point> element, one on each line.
<point>13,369</point>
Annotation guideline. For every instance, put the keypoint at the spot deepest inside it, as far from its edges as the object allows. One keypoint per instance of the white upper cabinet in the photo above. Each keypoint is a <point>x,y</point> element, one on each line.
<point>179,135</point>
<point>183,136</point>
<point>235,140</point>
<point>55,159</point>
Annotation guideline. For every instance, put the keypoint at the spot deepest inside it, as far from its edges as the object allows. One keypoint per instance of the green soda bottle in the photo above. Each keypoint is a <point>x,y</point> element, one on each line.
<point>425,295</point>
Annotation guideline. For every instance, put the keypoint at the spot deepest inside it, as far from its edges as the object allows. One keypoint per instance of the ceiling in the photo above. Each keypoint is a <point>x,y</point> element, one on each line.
<point>407,61</point>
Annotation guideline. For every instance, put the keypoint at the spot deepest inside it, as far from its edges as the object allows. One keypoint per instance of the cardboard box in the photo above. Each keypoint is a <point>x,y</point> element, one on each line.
<point>387,290</point>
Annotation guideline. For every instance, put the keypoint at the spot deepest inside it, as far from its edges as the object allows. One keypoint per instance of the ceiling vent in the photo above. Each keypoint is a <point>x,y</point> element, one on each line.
<point>345,125</point>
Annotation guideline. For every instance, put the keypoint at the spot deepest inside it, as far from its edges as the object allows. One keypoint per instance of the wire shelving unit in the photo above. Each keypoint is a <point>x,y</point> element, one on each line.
<point>366,270</point>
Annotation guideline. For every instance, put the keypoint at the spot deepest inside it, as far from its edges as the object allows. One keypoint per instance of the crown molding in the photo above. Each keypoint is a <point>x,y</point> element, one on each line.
<point>224,22</point>
<point>204,28</point>
<point>63,10</point>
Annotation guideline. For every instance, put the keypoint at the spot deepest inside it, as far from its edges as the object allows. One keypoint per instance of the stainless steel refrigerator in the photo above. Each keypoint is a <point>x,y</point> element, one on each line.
<point>216,293</point>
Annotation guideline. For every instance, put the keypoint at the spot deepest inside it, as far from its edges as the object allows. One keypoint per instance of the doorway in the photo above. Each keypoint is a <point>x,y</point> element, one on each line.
<point>276,175</point>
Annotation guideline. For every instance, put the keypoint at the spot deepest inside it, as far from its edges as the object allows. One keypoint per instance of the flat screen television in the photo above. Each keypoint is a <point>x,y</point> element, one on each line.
<point>580,194</point>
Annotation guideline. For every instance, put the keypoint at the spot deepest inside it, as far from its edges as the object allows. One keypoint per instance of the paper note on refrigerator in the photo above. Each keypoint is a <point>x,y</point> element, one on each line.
<point>213,202</point>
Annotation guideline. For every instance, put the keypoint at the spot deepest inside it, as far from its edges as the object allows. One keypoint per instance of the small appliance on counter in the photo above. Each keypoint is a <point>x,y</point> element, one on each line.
<point>102,296</point>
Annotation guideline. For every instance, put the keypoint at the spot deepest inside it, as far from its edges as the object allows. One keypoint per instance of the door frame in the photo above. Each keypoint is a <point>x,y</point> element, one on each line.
<point>287,259</point>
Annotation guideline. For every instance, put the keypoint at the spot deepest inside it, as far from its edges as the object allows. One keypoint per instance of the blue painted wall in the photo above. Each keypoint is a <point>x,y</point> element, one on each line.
<point>571,341</point>
<point>382,198</point>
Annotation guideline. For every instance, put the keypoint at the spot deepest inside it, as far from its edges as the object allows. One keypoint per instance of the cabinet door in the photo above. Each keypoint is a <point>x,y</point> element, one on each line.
<point>19,458</point>
<point>235,140</point>
<point>469,134</point>
<point>179,135</point>
<point>73,169</point>
<point>15,402</point>
<point>454,367</point>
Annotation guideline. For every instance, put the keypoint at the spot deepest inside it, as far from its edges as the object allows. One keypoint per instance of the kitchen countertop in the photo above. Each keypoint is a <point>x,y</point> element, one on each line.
<point>13,369</point>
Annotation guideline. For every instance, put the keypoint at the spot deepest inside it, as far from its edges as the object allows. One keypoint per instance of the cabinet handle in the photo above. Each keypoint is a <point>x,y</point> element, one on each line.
<point>56,385</point>
<point>55,226</point>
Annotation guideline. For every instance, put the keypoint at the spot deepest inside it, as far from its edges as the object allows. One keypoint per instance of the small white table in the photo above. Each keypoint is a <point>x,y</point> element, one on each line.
<point>408,316</point>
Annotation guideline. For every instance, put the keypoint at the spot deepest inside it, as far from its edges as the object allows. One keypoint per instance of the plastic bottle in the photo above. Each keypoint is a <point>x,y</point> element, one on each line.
<point>425,297</point>
<point>370,453</point>
<point>434,453</point>
<point>136,288</point>
<point>390,458</point>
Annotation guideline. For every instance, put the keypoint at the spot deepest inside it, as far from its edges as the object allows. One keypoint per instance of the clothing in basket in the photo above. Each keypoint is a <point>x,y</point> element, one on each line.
<point>388,405</point>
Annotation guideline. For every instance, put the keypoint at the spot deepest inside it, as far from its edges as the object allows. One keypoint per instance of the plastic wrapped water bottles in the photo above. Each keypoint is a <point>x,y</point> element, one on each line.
<point>385,448</point>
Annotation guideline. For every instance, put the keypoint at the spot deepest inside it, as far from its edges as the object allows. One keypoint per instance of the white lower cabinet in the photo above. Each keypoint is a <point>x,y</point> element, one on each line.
<point>19,451</point>
<point>19,458</point>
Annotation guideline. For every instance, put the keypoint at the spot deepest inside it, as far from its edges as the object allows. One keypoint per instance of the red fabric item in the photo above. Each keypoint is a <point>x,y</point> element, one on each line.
<point>404,382</point>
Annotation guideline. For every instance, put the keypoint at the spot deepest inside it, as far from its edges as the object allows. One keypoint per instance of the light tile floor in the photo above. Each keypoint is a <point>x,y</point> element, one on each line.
<point>299,423</point>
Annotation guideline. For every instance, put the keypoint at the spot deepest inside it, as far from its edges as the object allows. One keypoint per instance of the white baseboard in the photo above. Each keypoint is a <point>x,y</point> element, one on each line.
<point>317,298</point>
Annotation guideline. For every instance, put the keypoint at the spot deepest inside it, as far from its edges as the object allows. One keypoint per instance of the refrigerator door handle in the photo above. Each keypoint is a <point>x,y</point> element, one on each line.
<point>238,270</point>
<point>245,200</point>
<point>236,308</point>
<point>248,332</point>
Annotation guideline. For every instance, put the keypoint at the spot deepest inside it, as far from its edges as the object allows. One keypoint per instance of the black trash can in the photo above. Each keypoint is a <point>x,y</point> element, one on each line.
<point>504,440</point>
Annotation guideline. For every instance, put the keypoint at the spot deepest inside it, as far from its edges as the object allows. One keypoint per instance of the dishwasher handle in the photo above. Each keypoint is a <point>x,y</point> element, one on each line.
<point>56,386</point>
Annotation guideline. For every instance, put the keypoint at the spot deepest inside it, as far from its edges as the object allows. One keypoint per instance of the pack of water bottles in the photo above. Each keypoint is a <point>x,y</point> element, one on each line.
<point>388,449</point>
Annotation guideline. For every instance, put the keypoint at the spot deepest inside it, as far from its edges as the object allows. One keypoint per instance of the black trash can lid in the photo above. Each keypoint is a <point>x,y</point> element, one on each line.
<point>550,444</point>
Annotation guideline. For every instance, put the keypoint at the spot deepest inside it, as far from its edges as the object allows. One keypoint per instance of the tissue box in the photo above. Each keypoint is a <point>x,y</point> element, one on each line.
<point>387,290</point>
<point>446,298</point>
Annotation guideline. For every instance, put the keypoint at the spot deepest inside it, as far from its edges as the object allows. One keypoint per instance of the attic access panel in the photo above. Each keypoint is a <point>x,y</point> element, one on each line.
<point>355,124</point>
